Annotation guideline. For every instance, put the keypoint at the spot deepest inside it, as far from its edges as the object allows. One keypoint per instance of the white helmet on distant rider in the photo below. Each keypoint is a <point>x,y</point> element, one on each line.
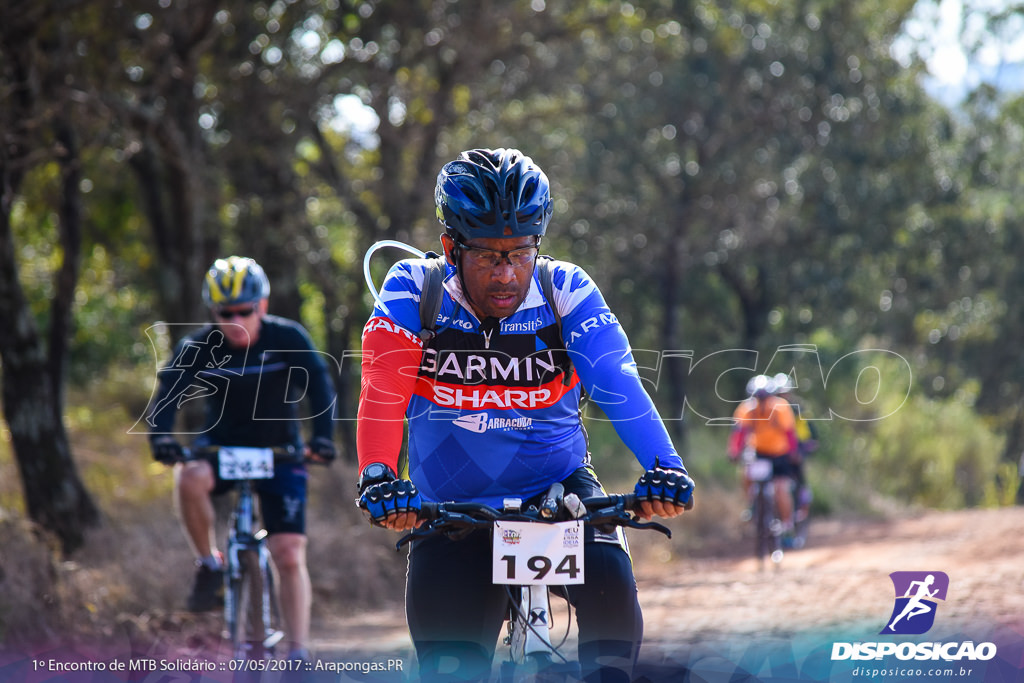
<point>783,383</point>
<point>761,386</point>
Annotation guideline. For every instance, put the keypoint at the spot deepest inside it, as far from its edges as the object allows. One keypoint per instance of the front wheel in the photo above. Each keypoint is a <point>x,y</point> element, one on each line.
<point>244,606</point>
<point>539,668</point>
<point>767,533</point>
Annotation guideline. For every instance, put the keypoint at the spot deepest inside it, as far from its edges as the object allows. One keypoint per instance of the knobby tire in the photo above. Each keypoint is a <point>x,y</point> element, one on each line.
<point>246,622</point>
<point>761,523</point>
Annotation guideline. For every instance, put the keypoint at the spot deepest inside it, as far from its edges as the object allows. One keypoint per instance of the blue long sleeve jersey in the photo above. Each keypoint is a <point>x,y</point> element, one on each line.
<point>494,409</point>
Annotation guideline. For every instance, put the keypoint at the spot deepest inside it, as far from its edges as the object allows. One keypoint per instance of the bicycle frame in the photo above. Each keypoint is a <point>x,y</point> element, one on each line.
<point>250,605</point>
<point>531,650</point>
<point>767,527</point>
<point>251,611</point>
<point>529,620</point>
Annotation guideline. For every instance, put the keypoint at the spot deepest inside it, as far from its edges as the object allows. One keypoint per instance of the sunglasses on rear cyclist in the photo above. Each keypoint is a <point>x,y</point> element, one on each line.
<point>229,313</point>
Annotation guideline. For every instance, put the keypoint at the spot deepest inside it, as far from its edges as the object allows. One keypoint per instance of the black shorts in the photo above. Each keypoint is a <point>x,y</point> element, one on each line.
<point>282,499</point>
<point>782,466</point>
<point>455,613</point>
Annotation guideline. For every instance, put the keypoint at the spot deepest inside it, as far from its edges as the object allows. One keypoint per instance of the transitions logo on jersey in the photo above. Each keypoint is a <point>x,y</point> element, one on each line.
<point>479,423</point>
<point>917,594</point>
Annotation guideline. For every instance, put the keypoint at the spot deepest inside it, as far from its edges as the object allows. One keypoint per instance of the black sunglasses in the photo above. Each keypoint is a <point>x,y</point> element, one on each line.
<point>225,314</point>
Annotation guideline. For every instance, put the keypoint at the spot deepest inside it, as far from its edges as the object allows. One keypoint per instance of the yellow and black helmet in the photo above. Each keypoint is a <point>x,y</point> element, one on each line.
<point>234,280</point>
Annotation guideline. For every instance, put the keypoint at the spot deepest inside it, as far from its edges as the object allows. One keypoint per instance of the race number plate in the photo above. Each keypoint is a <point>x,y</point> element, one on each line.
<point>246,463</point>
<point>759,470</point>
<point>533,553</point>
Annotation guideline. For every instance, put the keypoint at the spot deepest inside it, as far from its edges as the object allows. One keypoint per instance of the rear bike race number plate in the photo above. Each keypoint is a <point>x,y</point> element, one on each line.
<point>246,463</point>
<point>759,470</point>
<point>534,553</point>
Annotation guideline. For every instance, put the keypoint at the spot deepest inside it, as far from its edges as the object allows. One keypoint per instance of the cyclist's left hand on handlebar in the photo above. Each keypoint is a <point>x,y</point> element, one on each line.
<point>322,450</point>
<point>665,493</point>
<point>167,450</point>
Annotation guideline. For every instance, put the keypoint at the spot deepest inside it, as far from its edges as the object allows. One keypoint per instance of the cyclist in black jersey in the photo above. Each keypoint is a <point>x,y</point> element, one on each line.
<point>242,366</point>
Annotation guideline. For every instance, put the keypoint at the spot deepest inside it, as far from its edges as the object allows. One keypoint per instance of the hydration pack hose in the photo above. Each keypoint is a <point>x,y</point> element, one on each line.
<point>366,266</point>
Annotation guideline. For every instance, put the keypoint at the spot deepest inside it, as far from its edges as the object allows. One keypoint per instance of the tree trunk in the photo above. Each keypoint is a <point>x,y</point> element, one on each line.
<point>674,375</point>
<point>34,367</point>
<point>54,495</point>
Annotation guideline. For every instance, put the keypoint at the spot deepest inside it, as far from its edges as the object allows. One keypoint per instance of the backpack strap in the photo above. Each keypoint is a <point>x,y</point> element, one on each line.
<point>545,273</point>
<point>431,294</point>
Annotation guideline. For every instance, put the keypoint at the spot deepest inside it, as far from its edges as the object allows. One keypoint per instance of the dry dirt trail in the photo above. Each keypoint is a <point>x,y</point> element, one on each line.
<point>718,617</point>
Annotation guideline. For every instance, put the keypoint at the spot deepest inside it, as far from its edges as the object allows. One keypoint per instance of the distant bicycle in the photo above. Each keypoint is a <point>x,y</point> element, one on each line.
<point>252,615</point>
<point>763,513</point>
<point>801,514</point>
<point>529,569</point>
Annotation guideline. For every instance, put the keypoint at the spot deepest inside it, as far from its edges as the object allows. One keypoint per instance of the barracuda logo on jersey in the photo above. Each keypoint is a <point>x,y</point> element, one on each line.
<point>479,423</point>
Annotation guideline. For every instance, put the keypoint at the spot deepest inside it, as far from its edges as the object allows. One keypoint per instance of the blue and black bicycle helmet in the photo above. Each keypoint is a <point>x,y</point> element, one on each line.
<point>235,280</point>
<point>493,193</point>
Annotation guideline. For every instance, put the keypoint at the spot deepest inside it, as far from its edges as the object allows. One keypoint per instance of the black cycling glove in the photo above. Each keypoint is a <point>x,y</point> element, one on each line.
<point>323,448</point>
<point>167,450</point>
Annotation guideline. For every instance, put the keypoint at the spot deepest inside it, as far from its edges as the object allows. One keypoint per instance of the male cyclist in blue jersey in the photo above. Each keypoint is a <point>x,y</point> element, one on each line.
<point>493,407</point>
<point>242,365</point>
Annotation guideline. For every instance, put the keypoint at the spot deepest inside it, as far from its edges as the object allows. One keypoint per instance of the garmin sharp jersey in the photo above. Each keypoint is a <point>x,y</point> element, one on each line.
<point>493,406</point>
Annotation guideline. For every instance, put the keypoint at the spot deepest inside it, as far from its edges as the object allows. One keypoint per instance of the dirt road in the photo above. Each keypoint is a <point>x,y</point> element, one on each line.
<point>718,615</point>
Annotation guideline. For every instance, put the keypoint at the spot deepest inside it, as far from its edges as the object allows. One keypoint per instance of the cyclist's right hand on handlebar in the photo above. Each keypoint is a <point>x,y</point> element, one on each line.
<point>167,450</point>
<point>392,504</point>
<point>387,501</point>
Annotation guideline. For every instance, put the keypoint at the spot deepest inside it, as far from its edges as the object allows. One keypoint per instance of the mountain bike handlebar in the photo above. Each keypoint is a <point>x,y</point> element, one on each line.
<point>614,509</point>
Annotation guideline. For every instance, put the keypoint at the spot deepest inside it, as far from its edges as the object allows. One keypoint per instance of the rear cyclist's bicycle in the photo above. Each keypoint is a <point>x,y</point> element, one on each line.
<point>767,525</point>
<point>535,560</point>
<point>252,615</point>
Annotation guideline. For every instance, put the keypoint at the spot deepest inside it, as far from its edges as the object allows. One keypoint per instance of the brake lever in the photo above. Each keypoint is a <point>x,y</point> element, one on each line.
<point>618,516</point>
<point>454,524</point>
<point>636,524</point>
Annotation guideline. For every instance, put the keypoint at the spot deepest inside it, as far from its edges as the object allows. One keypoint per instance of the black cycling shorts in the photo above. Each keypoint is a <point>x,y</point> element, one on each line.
<point>782,466</point>
<point>282,499</point>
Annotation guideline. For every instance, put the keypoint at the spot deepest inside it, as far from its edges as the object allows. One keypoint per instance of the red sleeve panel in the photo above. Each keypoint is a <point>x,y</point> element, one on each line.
<point>390,363</point>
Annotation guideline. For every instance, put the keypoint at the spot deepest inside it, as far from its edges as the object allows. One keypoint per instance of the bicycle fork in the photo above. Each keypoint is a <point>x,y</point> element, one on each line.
<point>530,630</point>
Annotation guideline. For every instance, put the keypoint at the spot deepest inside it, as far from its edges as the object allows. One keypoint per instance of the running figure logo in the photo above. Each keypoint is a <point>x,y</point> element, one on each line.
<point>916,595</point>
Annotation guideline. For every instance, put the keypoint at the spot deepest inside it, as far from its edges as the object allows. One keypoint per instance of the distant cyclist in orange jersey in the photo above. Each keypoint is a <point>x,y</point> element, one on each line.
<point>766,423</point>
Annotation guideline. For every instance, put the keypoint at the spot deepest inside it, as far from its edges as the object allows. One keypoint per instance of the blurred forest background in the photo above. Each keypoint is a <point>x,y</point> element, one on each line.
<point>757,186</point>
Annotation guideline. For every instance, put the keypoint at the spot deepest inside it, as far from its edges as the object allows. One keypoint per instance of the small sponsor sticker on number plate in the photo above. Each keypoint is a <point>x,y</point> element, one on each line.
<point>533,553</point>
<point>246,463</point>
